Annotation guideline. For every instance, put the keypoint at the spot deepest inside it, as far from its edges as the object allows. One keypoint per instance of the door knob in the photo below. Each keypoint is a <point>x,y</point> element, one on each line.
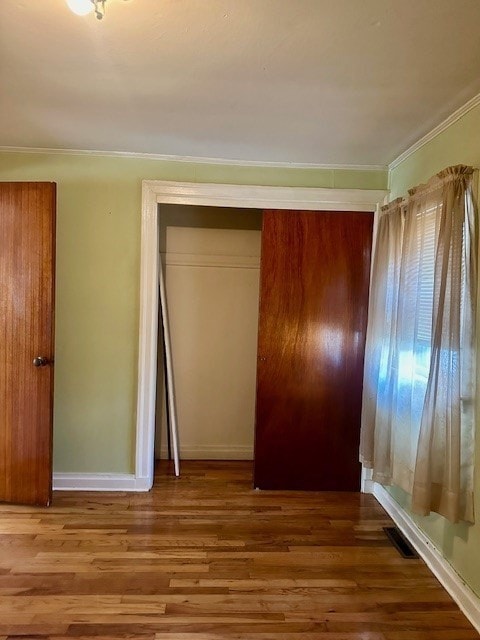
<point>40,361</point>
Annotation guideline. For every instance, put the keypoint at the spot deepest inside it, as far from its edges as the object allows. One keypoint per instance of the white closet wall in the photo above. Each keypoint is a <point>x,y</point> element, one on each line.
<point>212,282</point>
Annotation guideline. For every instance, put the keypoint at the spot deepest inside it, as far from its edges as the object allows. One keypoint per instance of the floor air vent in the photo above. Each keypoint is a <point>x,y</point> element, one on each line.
<point>400,543</point>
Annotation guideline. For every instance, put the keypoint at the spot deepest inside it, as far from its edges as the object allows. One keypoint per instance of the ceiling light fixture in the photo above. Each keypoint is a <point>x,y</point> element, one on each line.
<point>83,7</point>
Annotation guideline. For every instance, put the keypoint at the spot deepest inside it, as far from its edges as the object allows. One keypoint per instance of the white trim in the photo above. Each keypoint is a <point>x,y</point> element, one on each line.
<point>456,115</point>
<point>194,159</point>
<point>258,197</point>
<point>468,602</point>
<point>219,261</point>
<point>99,482</point>
<point>366,483</point>
<point>155,192</point>
<point>148,331</point>
<point>212,452</point>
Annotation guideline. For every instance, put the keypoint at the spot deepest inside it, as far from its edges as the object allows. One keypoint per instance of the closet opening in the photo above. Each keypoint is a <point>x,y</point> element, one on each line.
<point>210,260</point>
<point>156,195</point>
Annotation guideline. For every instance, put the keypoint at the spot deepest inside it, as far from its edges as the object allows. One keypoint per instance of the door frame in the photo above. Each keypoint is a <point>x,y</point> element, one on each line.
<point>157,192</point>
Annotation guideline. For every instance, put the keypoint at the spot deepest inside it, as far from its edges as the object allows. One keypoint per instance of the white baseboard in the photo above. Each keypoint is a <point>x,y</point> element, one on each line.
<point>367,483</point>
<point>468,602</point>
<point>130,482</point>
<point>100,482</point>
<point>212,452</point>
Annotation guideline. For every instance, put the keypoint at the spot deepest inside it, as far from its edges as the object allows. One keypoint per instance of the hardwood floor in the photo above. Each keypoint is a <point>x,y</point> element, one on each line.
<point>205,557</point>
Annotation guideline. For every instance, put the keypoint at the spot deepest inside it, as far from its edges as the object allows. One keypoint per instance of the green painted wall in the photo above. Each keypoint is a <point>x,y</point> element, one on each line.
<point>459,144</point>
<point>98,253</point>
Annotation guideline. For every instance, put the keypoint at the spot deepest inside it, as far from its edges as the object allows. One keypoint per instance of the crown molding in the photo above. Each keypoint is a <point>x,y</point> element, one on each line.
<point>194,159</point>
<point>456,115</point>
<point>451,119</point>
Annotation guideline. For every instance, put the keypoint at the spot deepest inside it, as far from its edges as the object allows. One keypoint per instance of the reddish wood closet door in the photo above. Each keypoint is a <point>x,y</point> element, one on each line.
<point>27,229</point>
<point>313,313</point>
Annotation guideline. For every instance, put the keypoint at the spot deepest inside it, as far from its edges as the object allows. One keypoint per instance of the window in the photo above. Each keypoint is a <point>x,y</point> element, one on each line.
<point>417,426</point>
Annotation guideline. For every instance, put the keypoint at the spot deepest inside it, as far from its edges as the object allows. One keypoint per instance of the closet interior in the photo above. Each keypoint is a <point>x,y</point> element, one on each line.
<point>211,266</point>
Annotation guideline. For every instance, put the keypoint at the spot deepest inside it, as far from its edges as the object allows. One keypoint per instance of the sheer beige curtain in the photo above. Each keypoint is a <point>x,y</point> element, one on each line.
<point>418,409</point>
<point>376,450</point>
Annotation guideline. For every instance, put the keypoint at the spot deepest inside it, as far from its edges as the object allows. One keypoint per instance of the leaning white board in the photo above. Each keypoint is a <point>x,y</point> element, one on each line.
<point>169,366</point>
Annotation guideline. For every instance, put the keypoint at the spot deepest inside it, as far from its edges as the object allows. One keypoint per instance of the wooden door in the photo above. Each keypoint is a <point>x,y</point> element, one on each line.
<point>313,312</point>
<point>27,230</point>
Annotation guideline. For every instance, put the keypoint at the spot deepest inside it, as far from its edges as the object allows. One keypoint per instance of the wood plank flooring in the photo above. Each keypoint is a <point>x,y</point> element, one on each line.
<point>204,557</point>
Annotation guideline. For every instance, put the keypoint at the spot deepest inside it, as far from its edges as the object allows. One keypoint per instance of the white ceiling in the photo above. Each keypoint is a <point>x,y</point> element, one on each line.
<point>307,81</point>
